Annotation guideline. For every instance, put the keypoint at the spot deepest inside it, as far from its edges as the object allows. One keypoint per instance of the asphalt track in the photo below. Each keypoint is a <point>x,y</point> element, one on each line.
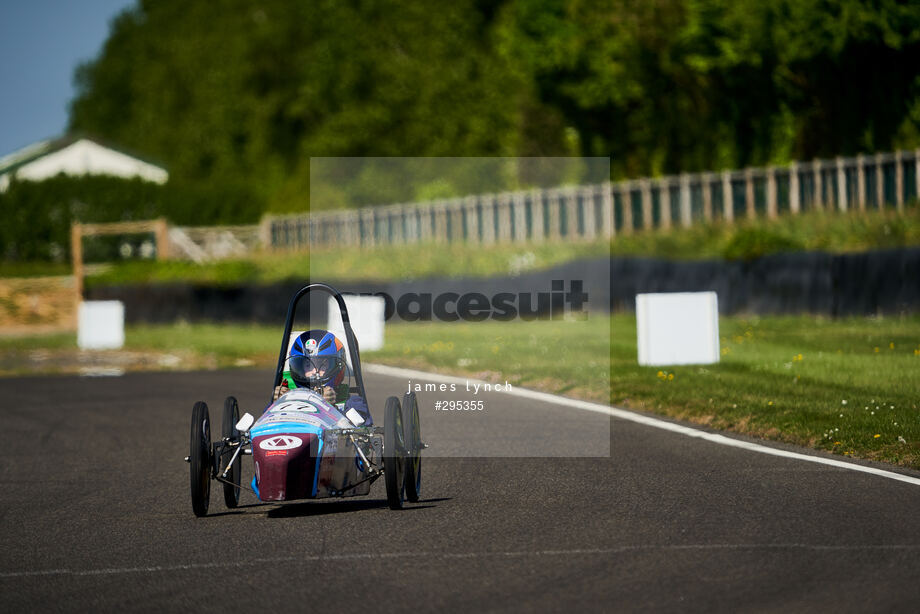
<point>96,517</point>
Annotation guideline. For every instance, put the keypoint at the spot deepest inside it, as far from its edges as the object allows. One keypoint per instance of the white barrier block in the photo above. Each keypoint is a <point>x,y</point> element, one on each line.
<point>101,325</point>
<point>678,328</point>
<point>367,319</point>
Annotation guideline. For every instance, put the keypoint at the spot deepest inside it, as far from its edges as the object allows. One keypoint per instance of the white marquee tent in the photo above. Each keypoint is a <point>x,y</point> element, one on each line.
<point>74,156</point>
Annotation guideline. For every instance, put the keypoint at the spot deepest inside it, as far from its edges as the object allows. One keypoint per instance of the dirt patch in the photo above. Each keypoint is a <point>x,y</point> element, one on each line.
<point>97,362</point>
<point>37,305</point>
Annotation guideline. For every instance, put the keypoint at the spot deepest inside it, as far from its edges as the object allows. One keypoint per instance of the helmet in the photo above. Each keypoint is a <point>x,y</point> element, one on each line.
<point>317,358</point>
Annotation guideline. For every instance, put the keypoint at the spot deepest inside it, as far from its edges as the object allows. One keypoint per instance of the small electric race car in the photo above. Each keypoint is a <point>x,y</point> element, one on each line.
<point>304,445</point>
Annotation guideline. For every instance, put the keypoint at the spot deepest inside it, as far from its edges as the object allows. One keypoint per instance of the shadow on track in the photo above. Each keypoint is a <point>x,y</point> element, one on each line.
<point>309,508</point>
<point>240,509</point>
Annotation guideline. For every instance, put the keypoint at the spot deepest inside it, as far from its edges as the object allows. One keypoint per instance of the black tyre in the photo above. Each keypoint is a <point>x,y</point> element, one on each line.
<point>412,437</point>
<point>228,429</point>
<point>199,457</point>
<point>394,454</point>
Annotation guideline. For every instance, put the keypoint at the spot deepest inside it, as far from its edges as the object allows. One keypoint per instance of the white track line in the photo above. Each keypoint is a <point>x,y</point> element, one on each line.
<point>623,414</point>
<point>371,556</point>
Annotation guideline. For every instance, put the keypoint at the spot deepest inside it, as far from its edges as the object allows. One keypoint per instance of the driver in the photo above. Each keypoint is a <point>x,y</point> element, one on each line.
<point>317,361</point>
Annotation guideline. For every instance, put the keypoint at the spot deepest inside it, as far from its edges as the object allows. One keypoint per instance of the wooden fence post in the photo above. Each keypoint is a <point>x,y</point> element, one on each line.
<point>76,255</point>
<point>664,202</point>
<point>426,222</point>
<point>842,200</point>
<point>861,181</point>
<point>686,211</point>
<point>749,193</point>
<point>161,234</point>
<point>772,204</point>
<point>441,222</point>
<point>608,216</point>
<point>357,234</point>
<point>879,182</point>
<point>819,185</point>
<point>555,230</point>
<point>520,217</point>
<point>728,197</point>
<point>457,226</point>
<point>406,222</point>
<point>625,189</point>
<point>265,232</point>
<point>503,217</point>
<point>407,213</point>
<point>488,218</point>
<point>706,179</point>
<point>587,211</point>
<point>536,216</point>
<point>411,213</point>
<point>899,180</point>
<point>645,191</point>
<point>472,225</point>
<point>335,229</point>
<point>396,225</point>
<point>386,238</point>
<point>794,203</point>
<point>367,231</point>
<point>917,174</point>
<point>571,214</point>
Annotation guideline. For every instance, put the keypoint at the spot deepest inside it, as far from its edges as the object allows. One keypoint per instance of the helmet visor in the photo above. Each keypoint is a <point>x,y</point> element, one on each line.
<point>313,370</point>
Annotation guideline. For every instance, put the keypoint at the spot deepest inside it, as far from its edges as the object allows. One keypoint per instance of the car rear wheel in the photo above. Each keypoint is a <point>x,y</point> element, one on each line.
<point>199,458</point>
<point>394,454</point>
<point>228,430</point>
<point>413,440</point>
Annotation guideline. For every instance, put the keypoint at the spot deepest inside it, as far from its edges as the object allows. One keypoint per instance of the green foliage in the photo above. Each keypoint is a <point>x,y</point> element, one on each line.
<point>33,268</point>
<point>238,96</point>
<point>752,243</point>
<point>35,217</point>
<point>226,272</point>
<point>235,99</point>
<point>250,92</point>
<point>684,85</point>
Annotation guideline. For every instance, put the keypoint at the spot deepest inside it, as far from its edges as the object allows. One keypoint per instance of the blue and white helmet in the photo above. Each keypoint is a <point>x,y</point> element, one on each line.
<point>317,358</point>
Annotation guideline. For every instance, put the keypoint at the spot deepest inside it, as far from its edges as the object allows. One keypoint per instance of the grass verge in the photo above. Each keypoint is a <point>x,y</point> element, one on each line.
<point>846,386</point>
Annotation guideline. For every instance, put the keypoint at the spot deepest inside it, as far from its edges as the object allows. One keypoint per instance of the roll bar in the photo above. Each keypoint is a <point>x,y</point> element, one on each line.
<point>349,334</point>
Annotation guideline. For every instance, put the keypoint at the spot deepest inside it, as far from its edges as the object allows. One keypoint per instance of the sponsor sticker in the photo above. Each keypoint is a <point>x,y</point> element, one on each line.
<point>281,442</point>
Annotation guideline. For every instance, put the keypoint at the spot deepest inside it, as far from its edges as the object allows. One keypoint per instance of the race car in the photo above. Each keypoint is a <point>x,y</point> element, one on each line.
<point>306,445</point>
